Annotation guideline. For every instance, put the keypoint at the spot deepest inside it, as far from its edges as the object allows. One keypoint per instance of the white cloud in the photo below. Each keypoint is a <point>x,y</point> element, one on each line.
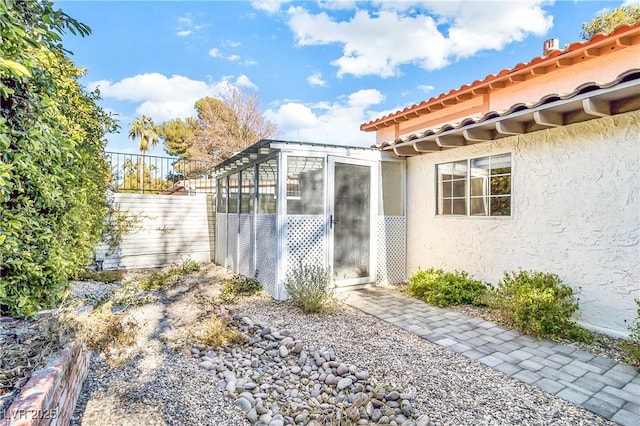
<point>337,4</point>
<point>269,6</point>
<point>216,53</point>
<point>316,79</point>
<point>413,36</point>
<point>230,43</point>
<point>187,25</point>
<point>163,98</point>
<point>328,122</point>
<point>426,88</point>
<point>244,81</point>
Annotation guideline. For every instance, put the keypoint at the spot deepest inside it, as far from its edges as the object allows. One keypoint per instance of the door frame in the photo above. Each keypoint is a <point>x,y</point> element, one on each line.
<point>373,213</point>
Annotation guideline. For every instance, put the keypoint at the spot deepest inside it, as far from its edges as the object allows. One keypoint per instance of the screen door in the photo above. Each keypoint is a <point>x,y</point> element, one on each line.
<point>350,222</point>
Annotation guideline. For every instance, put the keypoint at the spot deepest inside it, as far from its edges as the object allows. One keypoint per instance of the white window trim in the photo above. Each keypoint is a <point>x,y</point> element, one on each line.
<point>468,196</point>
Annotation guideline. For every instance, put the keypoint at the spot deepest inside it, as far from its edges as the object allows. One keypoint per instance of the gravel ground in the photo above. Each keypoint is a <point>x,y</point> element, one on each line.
<point>449,388</point>
<point>157,384</point>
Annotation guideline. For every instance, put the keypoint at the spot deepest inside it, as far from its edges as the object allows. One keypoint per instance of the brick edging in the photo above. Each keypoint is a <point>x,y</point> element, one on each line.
<point>50,395</point>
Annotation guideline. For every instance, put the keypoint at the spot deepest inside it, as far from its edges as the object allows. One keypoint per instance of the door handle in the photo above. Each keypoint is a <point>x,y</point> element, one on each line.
<point>332,221</point>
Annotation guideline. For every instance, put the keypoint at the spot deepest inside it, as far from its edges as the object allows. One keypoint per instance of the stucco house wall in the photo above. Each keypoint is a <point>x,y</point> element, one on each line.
<point>576,213</point>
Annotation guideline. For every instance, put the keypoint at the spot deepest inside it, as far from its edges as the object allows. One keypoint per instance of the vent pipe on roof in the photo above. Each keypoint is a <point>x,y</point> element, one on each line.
<point>551,45</point>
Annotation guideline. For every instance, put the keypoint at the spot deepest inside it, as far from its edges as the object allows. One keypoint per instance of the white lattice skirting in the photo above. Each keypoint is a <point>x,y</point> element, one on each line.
<point>391,250</point>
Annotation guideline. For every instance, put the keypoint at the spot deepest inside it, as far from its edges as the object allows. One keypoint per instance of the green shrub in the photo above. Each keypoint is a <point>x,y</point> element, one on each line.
<point>538,303</point>
<point>154,280</point>
<point>309,286</point>
<point>52,165</point>
<point>633,344</point>
<point>239,286</point>
<point>440,288</point>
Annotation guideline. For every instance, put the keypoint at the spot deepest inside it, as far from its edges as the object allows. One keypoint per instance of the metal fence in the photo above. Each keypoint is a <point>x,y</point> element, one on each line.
<point>148,174</point>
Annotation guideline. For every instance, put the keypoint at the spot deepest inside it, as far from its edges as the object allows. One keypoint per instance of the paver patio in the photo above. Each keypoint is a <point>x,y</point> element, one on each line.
<point>606,387</point>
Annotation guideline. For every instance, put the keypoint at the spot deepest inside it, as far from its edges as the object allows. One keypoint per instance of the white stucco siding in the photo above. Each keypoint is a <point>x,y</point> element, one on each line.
<point>576,213</point>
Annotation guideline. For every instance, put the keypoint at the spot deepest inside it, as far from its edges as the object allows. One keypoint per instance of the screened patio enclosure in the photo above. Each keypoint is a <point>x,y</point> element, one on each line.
<point>280,204</point>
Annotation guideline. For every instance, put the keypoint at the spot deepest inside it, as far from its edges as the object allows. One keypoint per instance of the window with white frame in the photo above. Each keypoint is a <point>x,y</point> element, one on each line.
<point>475,187</point>
<point>305,185</point>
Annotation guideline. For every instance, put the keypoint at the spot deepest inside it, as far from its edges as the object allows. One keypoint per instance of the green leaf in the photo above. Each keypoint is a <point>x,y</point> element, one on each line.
<point>18,69</point>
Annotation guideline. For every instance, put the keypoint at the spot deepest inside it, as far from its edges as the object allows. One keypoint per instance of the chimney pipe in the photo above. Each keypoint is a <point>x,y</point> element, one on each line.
<point>551,45</point>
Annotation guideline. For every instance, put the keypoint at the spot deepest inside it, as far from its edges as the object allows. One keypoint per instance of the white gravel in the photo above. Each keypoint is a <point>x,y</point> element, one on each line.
<point>159,385</point>
<point>448,387</point>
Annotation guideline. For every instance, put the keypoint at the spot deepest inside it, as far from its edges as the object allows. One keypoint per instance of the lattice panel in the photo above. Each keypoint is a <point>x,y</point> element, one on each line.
<point>246,246</point>
<point>266,252</point>
<point>305,241</point>
<point>221,238</point>
<point>391,250</point>
<point>232,242</point>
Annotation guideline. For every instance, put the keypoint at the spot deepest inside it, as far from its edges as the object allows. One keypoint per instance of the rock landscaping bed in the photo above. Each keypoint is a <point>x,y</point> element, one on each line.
<point>281,366</point>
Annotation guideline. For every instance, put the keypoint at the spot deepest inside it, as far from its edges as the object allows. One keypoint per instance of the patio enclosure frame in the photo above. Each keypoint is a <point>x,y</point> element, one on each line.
<point>278,205</point>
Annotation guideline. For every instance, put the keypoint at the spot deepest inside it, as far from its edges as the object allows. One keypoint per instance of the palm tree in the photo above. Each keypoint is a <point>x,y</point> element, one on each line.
<point>144,129</point>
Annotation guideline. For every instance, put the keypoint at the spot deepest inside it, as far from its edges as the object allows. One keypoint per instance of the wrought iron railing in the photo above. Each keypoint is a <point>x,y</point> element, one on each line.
<point>149,174</point>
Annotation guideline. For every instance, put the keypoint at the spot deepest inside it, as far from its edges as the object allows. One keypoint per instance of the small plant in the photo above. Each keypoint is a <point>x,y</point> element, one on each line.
<point>100,276</point>
<point>440,288</point>
<point>154,280</point>
<point>187,267</point>
<point>633,344</point>
<point>538,303</point>
<point>239,286</point>
<point>309,286</point>
<point>216,332</point>
<point>106,331</point>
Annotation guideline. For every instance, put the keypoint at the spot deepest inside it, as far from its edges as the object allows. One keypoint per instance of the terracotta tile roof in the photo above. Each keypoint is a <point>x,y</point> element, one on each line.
<point>588,101</point>
<point>622,34</point>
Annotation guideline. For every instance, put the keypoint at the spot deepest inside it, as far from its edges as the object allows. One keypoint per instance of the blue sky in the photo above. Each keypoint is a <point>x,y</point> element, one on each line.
<point>321,68</point>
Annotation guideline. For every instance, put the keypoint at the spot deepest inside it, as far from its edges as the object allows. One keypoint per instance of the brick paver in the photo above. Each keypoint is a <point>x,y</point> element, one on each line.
<point>606,387</point>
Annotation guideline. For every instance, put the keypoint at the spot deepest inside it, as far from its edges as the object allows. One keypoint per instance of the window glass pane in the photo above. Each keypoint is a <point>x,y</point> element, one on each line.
<point>500,206</point>
<point>501,185</point>
<point>459,206</point>
<point>446,189</point>
<point>479,206</point>
<point>392,195</point>
<point>222,195</point>
<point>305,185</point>
<point>478,186</point>
<point>445,171</point>
<point>459,188</point>
<point>233,193</point>
<point>452,187</point>
<point>460,169</point>
<point>248,191</point>
<point>500,164</point>
<point>445,207</point>
<point>267,177</point>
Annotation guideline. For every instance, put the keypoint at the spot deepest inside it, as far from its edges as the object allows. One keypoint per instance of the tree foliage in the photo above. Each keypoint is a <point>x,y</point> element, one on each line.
<point>222,127</point>
<point>151,182</point>
<point>178,135</point>
<point>52,165</point>
<point>610,20</point>
<point>143,128</point>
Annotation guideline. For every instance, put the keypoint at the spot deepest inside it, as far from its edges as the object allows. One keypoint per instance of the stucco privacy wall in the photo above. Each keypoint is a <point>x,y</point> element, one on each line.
<point>167,229</point>
<point>576,213</point>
